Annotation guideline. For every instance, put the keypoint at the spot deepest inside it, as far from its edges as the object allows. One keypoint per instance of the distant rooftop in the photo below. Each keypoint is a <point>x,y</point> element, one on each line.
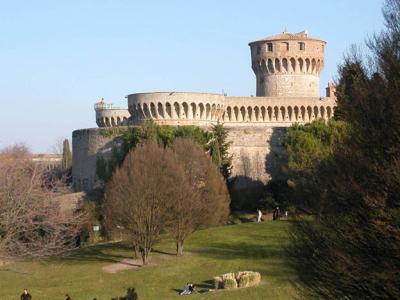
<point>287,36</point>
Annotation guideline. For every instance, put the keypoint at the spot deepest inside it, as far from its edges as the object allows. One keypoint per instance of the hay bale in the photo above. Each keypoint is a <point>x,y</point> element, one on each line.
<point>248,278</point>
<point>230,283</point>
<point>254,278</point>
<point>228,276</point>
<point>217,282</point>
<point>238,279</point>
<point>243,281</point>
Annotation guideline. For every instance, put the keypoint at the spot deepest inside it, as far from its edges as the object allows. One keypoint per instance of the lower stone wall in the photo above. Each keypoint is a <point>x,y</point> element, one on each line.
<point>256,153</point>
<point>87,146</point>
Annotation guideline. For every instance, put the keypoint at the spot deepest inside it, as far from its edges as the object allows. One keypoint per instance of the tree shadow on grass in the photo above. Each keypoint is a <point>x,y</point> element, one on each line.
<point>241,250</point>
<point>207,285</point>
<point>163,252</point>
<point>98,253</point>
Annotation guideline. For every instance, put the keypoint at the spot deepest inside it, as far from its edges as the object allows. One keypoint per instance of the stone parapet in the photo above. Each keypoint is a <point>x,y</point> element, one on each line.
<point>112,117</point>
<point>276,111</point>
<point>202,109</point>
<point>172,108</point>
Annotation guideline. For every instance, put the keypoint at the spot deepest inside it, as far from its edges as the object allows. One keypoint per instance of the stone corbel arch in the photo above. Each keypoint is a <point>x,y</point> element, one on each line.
<point>268,114</point>
<point>236,114</point>
<point>285,66</point>
<point>256,114</point>
<point>293,65</point>
<point>276,114</point>
<point>316,113</point>
<point>289,113</point>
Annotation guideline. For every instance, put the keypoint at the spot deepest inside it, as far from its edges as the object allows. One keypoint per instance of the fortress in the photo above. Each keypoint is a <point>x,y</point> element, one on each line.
<point>287,68</point>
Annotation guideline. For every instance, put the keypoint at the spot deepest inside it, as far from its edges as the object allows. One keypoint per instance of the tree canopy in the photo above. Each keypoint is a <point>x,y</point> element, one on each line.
<point>175,189</point>
<point>352,251</point>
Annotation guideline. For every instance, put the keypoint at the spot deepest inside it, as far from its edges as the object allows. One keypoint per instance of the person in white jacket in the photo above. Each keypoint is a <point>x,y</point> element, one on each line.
<point>259,215</point>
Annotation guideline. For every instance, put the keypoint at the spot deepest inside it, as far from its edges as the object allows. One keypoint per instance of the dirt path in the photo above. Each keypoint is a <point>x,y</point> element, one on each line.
<point>130,264</point>
<point>125,264</point>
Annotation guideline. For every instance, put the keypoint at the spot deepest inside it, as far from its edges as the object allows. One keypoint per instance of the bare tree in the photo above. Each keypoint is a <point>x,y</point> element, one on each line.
<point>58,146</point>
<point>31,222</point>
<point>205,202</point>
<point>140,193</point>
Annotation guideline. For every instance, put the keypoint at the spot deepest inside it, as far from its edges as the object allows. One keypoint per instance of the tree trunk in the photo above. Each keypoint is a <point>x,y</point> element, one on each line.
<point>144,257</point>
<point>135,248</point>
<point>145,254</point>
<point>179,247</point>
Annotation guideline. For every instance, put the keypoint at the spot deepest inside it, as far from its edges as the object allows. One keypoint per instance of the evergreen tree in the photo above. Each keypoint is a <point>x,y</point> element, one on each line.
<point>66,156</point>
<point>218,147</point>
<point>353,250</point>
<point>306,147</point>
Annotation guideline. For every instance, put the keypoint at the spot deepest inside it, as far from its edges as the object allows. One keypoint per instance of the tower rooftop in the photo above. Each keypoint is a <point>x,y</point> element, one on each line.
<point>284,36</point>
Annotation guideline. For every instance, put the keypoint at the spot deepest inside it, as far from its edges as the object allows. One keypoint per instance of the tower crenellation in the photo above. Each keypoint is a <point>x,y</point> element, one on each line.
<point>288,65</point>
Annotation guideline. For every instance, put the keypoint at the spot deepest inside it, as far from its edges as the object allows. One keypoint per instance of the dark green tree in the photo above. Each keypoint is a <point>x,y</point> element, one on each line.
<point>353,250</point>
<point>306,147</point>
<point>66,156</point>
<point>218,147</point>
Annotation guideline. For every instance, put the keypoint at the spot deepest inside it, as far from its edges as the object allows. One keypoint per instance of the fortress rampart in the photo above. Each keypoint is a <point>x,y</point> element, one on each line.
<point>174,108</point>
<point>287,68</point>
<point>203,109</point>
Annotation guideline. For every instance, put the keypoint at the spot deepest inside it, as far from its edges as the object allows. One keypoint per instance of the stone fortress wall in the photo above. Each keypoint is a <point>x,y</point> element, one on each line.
<point>287,68</point>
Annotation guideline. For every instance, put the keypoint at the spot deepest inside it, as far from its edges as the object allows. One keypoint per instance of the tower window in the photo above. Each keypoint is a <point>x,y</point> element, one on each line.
<point>269,47</point>
<point>302,46</point>
<point>285,46</point>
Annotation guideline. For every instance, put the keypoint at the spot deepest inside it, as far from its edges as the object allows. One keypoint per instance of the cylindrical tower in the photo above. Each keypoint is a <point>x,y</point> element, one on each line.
<point>288,65</point>
<point>109,116</point>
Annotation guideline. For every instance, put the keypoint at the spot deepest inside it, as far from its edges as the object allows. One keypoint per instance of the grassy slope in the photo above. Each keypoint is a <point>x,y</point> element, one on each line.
<point>210,252</point>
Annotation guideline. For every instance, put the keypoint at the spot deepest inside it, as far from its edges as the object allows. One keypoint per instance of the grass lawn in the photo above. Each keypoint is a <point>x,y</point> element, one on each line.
<point>247,246</point>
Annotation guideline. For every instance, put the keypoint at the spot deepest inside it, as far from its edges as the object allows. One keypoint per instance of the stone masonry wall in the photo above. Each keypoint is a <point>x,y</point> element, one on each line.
<point>87,146</point>
<point>256,153</point>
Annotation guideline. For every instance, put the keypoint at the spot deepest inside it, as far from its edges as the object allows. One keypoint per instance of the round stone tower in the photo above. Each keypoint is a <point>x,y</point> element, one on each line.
<point>288,65</point>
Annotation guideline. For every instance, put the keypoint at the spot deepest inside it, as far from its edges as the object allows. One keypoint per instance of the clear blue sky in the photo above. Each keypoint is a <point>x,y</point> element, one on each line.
<point>58,57</point>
